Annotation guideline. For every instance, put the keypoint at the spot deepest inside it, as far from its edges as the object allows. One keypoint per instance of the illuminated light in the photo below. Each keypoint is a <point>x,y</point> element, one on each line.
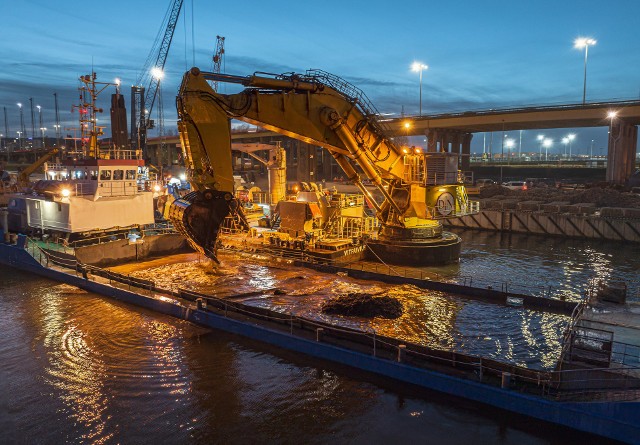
<point>571,136</point>
<point>612,114</point>
<point>19,104</point>
<point>418,150</point>
<point>405,151</point>
<point>581,42</point>
<point>407,125</point>
<point>156,188</point>
<point>417,66</point>
<point>65,193</point>
<point>157,73</point>
<point>117,81</point>
<point>183,177</point>
<point>565,140</point>
<point>547,143</point>
<point>540,137</point>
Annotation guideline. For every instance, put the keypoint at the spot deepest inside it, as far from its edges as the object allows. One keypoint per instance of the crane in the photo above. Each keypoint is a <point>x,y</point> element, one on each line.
<point>419,189</point>
<point>217,59</point>
<point>143,99</point>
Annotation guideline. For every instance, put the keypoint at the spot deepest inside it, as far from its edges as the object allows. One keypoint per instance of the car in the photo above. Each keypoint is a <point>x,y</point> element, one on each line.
<point>484,182</point>
<point>515,185</point>
<point>540,182</point>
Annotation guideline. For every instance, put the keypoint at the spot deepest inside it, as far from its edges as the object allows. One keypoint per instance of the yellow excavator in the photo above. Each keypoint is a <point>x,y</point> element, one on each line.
<point>419,188</point>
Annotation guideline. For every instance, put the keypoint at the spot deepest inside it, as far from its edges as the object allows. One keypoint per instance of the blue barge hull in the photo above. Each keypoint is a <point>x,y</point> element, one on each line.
<point>614,420</point>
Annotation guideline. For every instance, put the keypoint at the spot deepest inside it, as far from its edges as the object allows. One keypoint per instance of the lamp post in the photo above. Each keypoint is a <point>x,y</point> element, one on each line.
<point>509,143</point>
<point>565,141</point>
<point>42,129</point>
<point>40,120</point>
<point>21,123</point>
<point>547,143</point>
<point>611,156</point>
<point>540,141</point>
<point>571,137</point>
<point>579,43</point>
<point>19,139</point>
<point>419,67</point>
<point>591,152</point>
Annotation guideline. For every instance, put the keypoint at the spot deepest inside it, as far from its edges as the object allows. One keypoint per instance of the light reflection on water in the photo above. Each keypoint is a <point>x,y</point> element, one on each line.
<point>430,318</point>
<point>80,368</point>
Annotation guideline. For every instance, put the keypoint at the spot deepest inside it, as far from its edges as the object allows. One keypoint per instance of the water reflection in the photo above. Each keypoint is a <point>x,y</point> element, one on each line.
<point>75,369</point>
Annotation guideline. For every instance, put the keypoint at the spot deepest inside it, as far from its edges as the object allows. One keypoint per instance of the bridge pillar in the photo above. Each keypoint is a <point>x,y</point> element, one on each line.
<point>432,140</point>
<point>465,158</point>
<point>621,153</point>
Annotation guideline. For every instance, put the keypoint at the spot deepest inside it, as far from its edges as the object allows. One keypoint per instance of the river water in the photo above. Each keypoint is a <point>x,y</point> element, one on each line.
<point>80,368</point>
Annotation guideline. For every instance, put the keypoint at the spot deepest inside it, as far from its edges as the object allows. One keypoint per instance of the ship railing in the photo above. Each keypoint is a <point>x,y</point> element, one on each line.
<point>48,258</point>
<point>567,335</point>
<point>367,340</point>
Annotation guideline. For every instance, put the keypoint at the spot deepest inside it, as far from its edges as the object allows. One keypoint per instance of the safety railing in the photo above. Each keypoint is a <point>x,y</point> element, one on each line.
<point>355,94</point>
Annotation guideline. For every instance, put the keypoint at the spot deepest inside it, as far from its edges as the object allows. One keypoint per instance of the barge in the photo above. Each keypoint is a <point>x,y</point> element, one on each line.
<point>590,400</point>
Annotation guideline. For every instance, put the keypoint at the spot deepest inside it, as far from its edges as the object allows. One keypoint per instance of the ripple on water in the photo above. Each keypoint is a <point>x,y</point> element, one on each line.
<point>430,318</point>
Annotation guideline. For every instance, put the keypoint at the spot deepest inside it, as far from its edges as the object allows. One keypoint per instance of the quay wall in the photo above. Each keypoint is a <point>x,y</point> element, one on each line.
<point>624,226</point>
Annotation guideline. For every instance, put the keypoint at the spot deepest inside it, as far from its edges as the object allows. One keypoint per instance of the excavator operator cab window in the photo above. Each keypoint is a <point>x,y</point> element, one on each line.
<point>105,175</point>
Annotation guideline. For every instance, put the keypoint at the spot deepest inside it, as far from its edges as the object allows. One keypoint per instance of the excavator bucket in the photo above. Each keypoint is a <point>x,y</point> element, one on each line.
<point>198,216</point>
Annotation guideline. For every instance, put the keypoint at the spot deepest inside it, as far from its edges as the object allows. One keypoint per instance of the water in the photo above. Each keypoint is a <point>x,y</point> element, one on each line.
<point>80,368</point>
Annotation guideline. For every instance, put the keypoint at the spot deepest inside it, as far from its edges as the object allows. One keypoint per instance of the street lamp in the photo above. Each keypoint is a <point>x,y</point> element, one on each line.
<point>571,137</point>
<point>565,141</point>
<point>21,120</point>
<point>419,67</point>
<point>19,139</point>
<point>540,140</point>
<point>579,43</point>
<point>509,143</point>
<point>547,143</point>
<point>42,129</point>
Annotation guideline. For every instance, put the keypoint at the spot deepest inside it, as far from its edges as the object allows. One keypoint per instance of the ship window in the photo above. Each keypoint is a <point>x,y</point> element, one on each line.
<point>131,174</point>
<point>94,175</point>
<point>105,175</point>
<point>59,207</point>
<point>118,175</point>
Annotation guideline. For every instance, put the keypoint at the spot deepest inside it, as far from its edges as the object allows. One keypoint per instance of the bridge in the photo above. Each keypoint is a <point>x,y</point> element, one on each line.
<point>452,132</point>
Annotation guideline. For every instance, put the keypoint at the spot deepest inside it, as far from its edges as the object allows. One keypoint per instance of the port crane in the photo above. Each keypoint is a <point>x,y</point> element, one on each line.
<point>143,99</point>
<point>419,189</point>
<point>218,55</point>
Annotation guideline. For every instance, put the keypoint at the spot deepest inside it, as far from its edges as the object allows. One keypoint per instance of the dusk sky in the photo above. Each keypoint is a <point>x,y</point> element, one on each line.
<point>481,54</point>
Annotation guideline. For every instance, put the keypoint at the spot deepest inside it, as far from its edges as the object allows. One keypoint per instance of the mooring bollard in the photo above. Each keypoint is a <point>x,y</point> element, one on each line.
<point>199,304</point>
<point>401,352</point>
<point>506,380</point>
<point>319,332</point>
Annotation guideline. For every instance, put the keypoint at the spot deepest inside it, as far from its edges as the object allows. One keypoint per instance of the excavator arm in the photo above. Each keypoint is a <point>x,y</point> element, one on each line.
<point>317,108</point>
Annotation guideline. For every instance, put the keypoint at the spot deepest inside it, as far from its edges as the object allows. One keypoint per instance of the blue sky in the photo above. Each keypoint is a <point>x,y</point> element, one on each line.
<point>481,54</point>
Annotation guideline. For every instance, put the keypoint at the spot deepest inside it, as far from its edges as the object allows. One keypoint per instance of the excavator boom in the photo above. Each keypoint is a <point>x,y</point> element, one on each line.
<point>316,108</point>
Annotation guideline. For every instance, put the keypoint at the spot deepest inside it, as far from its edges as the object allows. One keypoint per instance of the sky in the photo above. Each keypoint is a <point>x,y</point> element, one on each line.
<point>481,54</point>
